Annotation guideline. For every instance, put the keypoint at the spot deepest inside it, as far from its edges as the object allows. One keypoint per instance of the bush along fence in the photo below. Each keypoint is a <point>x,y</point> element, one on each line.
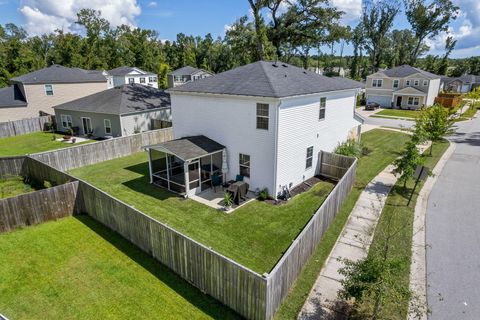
<point>18,127</point>
<point>91,153</point>
<point>252,295</point>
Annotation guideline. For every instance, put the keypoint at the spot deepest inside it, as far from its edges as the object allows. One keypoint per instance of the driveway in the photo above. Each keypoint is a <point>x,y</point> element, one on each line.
<point>453,231</point>
<point>384,122</point>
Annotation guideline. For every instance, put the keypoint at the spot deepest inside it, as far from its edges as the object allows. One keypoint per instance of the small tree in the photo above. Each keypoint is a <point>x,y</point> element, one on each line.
<point>433,124</point>
<point>409,160</point>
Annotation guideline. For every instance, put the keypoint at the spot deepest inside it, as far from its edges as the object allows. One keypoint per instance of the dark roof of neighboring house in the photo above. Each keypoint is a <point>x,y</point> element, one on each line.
<point>406,70</point>
<point>128,98</point>
<point>123,71</point>
<point>60,74</point>
<point>189,148</point>
<point>266,79</point>
<point>360,85</point>
<point>187,70</point>
<point>12,97</point>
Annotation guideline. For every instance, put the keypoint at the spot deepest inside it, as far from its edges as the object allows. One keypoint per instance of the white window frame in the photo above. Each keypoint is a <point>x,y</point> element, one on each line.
<point>413,101</point>
<point>47,91</point>
<point>142,80</point>
<point>262,116</point>
<point>416,82</point>
<point>244,164</point>
<point>152,79</point>
<point>132,79</point>
<point>105,121</point>
<point>377,83</point>
<point>66,118</point>
<point>425,83</point>
<point>309,158</point>
<point>322,111</point>
<point>393,84</point>
<point>407,82</point>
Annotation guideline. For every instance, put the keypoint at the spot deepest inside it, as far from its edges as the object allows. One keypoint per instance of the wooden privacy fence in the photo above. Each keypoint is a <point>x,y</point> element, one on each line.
<point>286,271</point>
<point>91,153</point>
<point>18,127</point>
<point>11,166</point>
<point>39,206</point>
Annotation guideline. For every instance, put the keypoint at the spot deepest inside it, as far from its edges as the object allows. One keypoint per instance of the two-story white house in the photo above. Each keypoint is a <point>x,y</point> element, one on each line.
<point>130,75</point>
<point>403,87</point>
<point>186,74</point>
<point>266,121</point>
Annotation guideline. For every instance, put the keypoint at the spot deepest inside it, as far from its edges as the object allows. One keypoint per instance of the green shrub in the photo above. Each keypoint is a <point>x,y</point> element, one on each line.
<point>351,148</point>
<point>263,195</point>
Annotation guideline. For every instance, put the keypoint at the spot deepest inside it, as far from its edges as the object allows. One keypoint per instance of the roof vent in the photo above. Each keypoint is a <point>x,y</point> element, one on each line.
<point>305,72</point>
<point>274,65</point>
<point>284,65</point>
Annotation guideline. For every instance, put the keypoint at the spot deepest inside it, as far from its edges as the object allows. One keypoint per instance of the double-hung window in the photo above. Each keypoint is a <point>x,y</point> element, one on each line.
<point>323,108</point>
<point>131,80</point>
<point>142,80</point>
<point>244,162</point>
<point>416,82</point>
<point>49,90</point>
<point>262,116</point>
<point>309,160</point>
<point>425,83</point>
<point>377,83</point>
<point>152,79</point>
<point>396,84</point>
<point>66,121</point>
<point>413,101</point>
<point>108,126</point>
<point>407,82</point>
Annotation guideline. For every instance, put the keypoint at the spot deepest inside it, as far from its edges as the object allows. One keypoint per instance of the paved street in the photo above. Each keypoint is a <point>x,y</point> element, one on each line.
<point>394,123</point>
<point>453,231</point>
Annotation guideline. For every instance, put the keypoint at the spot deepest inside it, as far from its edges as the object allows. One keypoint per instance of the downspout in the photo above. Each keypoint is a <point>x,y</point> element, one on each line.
<point>277,110</point>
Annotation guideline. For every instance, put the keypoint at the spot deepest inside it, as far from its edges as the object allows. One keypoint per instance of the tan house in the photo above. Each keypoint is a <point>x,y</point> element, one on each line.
<point>403,87</point>
<point>35,92</point>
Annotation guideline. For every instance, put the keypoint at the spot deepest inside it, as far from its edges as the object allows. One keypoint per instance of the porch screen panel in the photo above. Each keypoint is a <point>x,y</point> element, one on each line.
<point>159,161</point>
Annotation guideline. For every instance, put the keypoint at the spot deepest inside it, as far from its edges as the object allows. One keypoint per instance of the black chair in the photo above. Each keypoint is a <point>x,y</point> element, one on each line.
<point>216,181</point>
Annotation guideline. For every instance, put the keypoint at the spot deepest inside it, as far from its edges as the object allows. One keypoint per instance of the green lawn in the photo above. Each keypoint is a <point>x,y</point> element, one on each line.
<point>385,147</point>
<point>32,143</point>
<point>14,186</point>
<point>255,235</point>
<point>75,268</point>
<point>398,113</point>
<point>398,217</point>
<point>469,113</point>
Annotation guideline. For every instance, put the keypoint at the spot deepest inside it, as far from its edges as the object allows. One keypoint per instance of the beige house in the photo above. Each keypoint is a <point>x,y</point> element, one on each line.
<point>37,92</point>
<point>403,87</point>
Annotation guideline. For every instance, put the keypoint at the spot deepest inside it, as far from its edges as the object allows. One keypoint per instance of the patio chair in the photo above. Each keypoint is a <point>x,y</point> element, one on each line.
<point>239,178</point>
<point>216,181</point>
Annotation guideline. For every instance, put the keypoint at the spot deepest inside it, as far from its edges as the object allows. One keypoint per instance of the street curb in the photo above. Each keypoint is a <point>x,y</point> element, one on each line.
<point>418,267</point>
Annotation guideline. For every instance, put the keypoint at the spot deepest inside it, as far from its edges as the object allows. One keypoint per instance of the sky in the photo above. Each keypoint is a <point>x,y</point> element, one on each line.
<point>199,17</point>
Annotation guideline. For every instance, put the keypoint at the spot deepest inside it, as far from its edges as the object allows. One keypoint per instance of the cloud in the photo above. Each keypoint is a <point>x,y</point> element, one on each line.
<point>351,8</point>
<point>152,4</point>
<point>43,16</point>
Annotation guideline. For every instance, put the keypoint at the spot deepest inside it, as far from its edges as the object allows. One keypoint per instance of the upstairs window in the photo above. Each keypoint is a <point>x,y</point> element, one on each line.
<point>67,122</point>
<point>152,79</point>
<point>49,90</point>
<point>407,82</point>
<point>416,82</point>
<point>323,108</point>
<point>396,84</point>
<point>262,116</point>
<point>425,83</point>
<point>131,80</point>
<point>377,83</point>
<point>108,126</point>
<point>244,162</point>
<point>309,159</point>
<point>142,80</point>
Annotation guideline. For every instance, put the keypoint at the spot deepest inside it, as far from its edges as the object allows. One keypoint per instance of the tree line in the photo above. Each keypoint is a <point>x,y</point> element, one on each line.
<point>306,33</point>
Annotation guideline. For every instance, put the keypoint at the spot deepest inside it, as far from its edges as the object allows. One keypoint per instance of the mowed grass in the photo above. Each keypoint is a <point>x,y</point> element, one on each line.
<point>385,147</point>
<point>32,143</point>
<point>255,235</point>
<point>12,186</point>
<point>398,113</point>
<point>75,268</point>
<point>398,218</point>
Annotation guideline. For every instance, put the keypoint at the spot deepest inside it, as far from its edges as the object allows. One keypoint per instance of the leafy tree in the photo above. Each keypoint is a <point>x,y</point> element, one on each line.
<point>408,161</point>
<point>434,124</point>
<point>428,20</point>
<point>449,45</point>
<point>260,31</point>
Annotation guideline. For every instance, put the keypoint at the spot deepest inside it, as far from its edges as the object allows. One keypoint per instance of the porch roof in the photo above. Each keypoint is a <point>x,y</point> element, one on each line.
<point>189,148</point>
<point>409,91</point>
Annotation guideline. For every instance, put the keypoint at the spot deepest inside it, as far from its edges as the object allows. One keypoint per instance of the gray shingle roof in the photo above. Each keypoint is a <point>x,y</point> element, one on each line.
<point>266,79</point>
<point>124,99</point>
<point>60,74</point>
<point>123,71</point>
<point>189,148</point>
<point>187,70</point>
<point>360,85</point>
<point>12,97</point>
<point>406,70</point>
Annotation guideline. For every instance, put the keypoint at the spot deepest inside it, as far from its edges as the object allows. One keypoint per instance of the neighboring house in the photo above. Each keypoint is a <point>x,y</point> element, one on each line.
<point>129,75</point>
<point>338,71</point>
<point>39,91</point>
<point>265,121</point>
<point>186,74</point>
<point>402,87</point>
<point>463,84</point>
<point>120,111</point>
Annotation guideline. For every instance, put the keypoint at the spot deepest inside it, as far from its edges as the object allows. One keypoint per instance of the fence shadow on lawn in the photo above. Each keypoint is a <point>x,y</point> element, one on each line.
<point>204,302</point>
<point>142,185</point>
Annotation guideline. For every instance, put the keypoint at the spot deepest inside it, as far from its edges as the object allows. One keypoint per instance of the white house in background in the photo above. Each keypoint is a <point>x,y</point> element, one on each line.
<point>268,120</point>
<point>186,74</point>
<point>130,75</point>
<point>403,87</point>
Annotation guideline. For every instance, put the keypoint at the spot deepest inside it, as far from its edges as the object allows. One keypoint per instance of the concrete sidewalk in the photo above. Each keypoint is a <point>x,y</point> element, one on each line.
<point>353,244</point>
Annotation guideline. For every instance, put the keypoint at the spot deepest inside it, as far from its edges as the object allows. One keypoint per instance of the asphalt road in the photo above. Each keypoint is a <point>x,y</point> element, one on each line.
<point>453,231</point>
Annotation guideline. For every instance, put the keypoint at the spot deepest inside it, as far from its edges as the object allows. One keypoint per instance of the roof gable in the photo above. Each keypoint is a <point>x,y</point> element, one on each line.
<point>60,74</point>
<point>125,71</point>
<point>266,79</point>
<point>12,97</point>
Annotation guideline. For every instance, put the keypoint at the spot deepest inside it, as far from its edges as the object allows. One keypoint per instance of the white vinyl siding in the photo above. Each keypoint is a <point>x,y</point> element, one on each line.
<point>67,122</point>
